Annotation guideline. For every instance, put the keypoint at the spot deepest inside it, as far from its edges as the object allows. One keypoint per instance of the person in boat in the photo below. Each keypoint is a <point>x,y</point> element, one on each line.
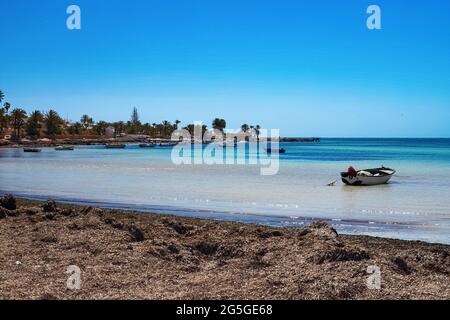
<point>351,171</point>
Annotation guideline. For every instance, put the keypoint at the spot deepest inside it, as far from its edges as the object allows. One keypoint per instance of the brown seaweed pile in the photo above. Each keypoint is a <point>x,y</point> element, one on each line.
<point>126,255</point>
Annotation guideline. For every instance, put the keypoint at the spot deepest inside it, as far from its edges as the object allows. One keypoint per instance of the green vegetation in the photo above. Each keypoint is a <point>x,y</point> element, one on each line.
<point>54,123</point>
<point>50,124</point>
<point>245,127</point>
<point>18,117</point>
<point>34,124</point>
<point>86,121</point>
<point>219,124</point>
<point>4,119</point>
<point>192,127</point>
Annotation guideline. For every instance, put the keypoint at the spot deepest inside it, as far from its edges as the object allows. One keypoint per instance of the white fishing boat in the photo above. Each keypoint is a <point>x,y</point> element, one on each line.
<point>367,177</point>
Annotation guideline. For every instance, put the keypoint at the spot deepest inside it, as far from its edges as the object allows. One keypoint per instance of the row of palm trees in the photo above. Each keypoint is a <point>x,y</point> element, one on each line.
<point>250,128</point>
<point>32,124</point>
<point>50,123</point>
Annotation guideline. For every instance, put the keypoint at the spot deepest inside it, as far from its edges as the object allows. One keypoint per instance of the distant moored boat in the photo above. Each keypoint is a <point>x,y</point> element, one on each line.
<point>31,150</point>
<point>64,148</point>
<point>168,144</point>
<point>147,145</point>
<point>115,146</point>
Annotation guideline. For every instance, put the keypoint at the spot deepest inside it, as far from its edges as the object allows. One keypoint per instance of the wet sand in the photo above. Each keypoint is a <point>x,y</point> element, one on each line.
<point>130,255</point>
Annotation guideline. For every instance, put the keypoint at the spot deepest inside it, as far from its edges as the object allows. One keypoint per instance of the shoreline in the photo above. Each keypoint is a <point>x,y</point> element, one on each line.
<point>104,140</point>
<point>269,220</point>
<point>76,142</point>
<point>130,255</point>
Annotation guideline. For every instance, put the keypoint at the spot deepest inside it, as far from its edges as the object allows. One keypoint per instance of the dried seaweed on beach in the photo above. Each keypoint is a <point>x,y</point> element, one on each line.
<point>126,255</point>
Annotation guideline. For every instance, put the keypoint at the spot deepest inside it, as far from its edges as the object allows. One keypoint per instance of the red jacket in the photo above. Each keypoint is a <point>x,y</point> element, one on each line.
<point>351,171</point>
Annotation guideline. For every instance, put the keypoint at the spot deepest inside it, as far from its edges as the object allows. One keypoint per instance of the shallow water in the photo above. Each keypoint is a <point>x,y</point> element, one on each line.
<point>414,205</point>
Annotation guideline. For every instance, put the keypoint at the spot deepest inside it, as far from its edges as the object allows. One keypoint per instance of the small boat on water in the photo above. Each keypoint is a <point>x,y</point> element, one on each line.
<point>64,148</point>
<point>31,150</point>
<point>367,177</point>
<point>147,145</point>
<point>168,144</point>
<point>280,151</point>
<point>115,146</point>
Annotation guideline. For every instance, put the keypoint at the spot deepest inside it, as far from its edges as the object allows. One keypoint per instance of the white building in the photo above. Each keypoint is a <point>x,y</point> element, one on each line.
<point>110,131</point>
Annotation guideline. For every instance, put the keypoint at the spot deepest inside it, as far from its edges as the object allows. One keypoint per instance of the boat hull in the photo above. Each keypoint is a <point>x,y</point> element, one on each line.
<point>64,148</point>
<point>31,150</point>
<point>147,145</point>
<point>115,146</point>
<point>168,144</point>
<point>365,181</point>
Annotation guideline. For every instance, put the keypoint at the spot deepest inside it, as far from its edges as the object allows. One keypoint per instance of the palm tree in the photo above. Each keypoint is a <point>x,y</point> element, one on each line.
<point>18,117</point>
<point>154,129</point>
<point>2,96</point>
<point>257,131</point>
<point>86,121</point>
<point>167,127</point>
<point>245,127</point>
<point>193,127</point>
<point>3,119</point>
<point>34,124</point>
<point>7,105</point>
<point>119,127</point>
<point>159,130</point>
<point>78,127</point>
<point>53,123</point>
<point>147,129</point>
<point>219,124</point>
<point>75,128</point>
<point>177,122</point>
<point>100,127</point>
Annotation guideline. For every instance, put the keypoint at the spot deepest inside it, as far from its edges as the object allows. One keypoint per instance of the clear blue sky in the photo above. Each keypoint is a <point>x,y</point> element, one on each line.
<point>309,68</point>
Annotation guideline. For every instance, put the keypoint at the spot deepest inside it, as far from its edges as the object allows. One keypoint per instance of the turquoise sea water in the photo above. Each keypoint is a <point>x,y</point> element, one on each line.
<point>414,205</point>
